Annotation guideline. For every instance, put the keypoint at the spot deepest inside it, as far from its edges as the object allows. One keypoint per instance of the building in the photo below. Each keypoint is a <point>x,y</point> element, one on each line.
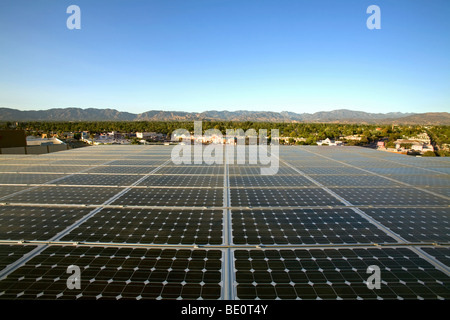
<point>150,136</point>
<point>34,141</point>
<point>12,138</point>
<point>329,142</point>
<point>352,137</point>
<point>414,145</point>
<point>421,137</point>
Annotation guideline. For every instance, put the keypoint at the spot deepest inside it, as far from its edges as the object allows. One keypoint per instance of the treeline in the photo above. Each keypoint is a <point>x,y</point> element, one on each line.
<point>310,131</point>
<point>439,134</point>
<point>320,130</point>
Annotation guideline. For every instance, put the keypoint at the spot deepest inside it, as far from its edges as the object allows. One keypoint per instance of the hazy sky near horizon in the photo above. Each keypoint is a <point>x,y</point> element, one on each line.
<point>197,55</point>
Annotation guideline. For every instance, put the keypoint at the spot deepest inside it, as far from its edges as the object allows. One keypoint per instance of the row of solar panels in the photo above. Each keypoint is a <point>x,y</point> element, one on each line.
<point>140,273</point>
<point>204,226</point>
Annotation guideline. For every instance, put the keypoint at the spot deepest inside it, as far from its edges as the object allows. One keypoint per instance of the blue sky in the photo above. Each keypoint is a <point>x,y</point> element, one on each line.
<point>197,55</point>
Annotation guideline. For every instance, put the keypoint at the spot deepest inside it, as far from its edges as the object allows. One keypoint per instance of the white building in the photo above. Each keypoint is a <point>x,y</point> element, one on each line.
<point>415,145</point>
<point>328,142</point>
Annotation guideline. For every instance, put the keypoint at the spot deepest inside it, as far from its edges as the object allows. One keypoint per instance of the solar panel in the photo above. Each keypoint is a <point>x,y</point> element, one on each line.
<point>175,180</point>
<point>253,197</point>
<point>36,223</point>
<point>99,179</point>
<point>423,180</point>
<point>192,169</point>
<point>415,224</point>
<point>186,197</point>
<point>122,169</point>
<point>124,273</point>
<point>51,168</point>
<point>65,195</point>
<point>21,178</point>
<point>141,227</point>
<point>336,274</point>
<point>402,170</point>
<point>304,226</point>
<point>269,181</point>
<point>9,190</point>
<point>151,226</point>
<point>11,253</point>
<point>353,180</point>
<point>440,253</point>
<point>389,196</point>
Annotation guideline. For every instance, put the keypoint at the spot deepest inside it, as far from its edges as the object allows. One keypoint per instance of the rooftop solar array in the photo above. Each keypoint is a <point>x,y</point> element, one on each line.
<point>141,227</point>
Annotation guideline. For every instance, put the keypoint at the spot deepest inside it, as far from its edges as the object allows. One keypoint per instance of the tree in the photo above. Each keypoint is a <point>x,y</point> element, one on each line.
<point>429,154</point>
<point>406,145</point>
<point>364,140</point>
<point>390,144</point>
<point>135,141</point>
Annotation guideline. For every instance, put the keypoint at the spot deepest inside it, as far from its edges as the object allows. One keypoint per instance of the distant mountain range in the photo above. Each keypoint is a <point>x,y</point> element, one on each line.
<point>335,116</point>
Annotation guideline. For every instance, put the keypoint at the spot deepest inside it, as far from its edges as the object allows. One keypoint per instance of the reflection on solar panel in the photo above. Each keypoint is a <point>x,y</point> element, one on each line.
<point>140,227</point>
